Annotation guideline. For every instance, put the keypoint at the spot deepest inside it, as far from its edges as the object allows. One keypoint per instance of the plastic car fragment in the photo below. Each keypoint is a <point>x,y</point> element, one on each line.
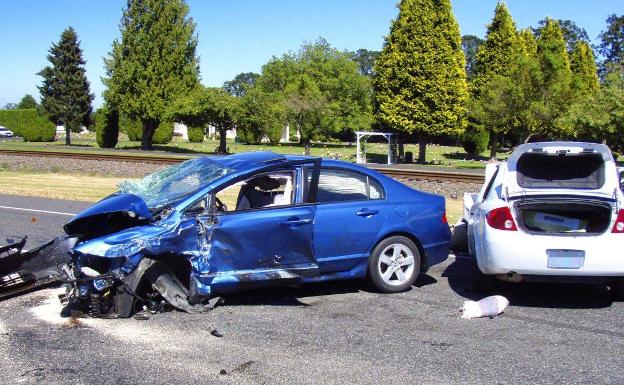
<point>24,271</point>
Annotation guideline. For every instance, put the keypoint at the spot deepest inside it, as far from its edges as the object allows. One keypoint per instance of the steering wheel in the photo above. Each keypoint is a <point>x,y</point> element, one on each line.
<point>220,206</point>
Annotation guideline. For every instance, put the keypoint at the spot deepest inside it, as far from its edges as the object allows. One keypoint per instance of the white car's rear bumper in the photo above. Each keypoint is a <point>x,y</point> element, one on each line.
<point>503,252</point>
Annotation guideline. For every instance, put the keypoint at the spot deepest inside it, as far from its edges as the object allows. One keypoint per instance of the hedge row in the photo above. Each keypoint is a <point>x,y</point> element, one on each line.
<point>29,124</point>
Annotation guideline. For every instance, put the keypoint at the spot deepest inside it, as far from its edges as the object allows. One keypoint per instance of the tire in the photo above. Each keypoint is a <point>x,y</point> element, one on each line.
<point>459,238</point>
<point>392,255</point>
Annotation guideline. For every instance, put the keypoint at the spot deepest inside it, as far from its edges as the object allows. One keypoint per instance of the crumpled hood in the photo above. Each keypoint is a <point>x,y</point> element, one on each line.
<point>114,213</point>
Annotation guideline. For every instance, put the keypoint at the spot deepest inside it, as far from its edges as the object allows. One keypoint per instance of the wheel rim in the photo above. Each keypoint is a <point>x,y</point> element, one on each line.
<point>396,264</point>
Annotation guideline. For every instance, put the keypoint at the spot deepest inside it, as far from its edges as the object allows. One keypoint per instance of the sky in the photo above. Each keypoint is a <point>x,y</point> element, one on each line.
<point>241,35</point>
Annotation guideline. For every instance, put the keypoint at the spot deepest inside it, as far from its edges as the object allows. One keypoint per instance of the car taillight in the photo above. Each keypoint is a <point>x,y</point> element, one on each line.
<point>444,220</point>
<point>618,227</point>
<point>501,219</point>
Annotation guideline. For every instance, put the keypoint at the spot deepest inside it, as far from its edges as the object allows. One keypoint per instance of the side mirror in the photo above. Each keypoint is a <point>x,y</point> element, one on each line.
<point>621,174</point>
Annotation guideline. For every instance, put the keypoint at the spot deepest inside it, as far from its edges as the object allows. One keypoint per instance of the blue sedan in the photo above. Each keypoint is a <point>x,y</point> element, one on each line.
<point>212,225</point>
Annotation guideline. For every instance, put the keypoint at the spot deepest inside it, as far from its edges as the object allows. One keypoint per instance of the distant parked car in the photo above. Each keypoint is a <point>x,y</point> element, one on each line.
<point>552,212</point>
<point>5,133</point>
<point>212,225</point>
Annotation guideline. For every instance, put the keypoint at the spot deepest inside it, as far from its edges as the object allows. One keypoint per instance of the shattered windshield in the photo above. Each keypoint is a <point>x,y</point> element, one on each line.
<point>168,185</point>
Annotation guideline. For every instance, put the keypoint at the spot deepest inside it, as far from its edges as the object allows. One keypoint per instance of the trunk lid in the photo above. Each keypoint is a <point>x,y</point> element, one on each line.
<point>562,168</point>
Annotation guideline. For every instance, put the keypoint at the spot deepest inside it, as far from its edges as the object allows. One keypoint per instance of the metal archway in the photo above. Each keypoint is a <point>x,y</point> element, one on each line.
<point>363,135</point>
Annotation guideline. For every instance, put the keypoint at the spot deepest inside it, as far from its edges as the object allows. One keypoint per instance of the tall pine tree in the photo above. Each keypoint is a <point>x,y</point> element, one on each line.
<point>557,77</point>
<point>153,64</point>
<point>494,61</point>
<point>420,82</point>
<point>497,53</point>
<point>65,95</point>
<point>584,70</point>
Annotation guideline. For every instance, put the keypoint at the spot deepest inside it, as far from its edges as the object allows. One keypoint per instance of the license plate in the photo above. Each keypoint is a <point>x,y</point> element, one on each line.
<point>565,259</point>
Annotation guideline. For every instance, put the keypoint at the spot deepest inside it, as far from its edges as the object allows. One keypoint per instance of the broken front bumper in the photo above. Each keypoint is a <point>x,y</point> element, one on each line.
<point>23,271</point>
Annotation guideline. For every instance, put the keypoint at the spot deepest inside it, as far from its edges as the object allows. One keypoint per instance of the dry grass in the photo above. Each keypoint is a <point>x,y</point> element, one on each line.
<point>454,209</point>
<point>59,186</point>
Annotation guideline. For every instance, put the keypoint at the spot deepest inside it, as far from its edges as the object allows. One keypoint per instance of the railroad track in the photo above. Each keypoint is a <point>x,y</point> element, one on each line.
<point>433,175</point>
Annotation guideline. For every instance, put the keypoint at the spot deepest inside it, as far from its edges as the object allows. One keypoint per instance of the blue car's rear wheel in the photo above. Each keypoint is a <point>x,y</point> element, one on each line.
<point>394,264</point>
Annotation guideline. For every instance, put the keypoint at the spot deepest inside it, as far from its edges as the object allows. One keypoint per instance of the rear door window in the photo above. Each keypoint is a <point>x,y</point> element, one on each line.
<point>343,186</point>
<point>561,170</point>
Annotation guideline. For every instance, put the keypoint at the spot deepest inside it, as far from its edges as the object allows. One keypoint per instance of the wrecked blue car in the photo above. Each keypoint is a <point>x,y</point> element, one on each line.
<point>208,226</point>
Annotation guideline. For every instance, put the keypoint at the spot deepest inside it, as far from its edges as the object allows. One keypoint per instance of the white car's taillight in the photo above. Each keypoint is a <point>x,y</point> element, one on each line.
<point>618,227</point>
<point>501,219</point>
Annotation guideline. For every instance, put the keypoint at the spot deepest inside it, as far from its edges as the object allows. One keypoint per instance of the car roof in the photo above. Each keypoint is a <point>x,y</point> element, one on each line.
<point>253,160</point>
<point>250,160</point>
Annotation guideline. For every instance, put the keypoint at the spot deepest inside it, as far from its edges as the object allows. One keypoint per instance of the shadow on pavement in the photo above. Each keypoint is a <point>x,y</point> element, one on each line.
<point>460,275</point>
<point>289,295</point>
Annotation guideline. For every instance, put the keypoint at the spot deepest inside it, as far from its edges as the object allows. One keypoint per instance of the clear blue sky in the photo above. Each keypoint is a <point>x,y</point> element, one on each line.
<point>240,35</point>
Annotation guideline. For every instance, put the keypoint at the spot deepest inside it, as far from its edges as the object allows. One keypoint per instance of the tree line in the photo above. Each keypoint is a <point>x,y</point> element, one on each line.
<point>427,83</point>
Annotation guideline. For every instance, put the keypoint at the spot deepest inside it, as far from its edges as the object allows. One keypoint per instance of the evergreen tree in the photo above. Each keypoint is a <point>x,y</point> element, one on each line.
<point>557,76</point>
<point>584,70</point>
<point>153,64</point>
<point>493,63</point>
<point>420,83</point>
<point>496,54</point>
<point>527,43</point>
<point>27,102</point>
<point>572,33</point>
<point>64,92</point>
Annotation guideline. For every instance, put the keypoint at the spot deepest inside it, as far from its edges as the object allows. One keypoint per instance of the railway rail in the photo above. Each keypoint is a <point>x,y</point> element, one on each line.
<point>434,175</point>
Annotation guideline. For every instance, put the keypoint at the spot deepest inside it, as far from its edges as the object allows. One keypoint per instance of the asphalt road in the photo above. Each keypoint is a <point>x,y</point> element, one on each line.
<point>330,333</point>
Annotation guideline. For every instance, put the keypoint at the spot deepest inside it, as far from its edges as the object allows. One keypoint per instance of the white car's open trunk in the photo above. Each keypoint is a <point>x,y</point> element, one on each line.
<point>564,215</point>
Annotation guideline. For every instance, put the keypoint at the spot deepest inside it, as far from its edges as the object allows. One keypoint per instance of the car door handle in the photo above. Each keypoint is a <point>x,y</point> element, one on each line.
<point>366,212</point>
<point>297,222</point>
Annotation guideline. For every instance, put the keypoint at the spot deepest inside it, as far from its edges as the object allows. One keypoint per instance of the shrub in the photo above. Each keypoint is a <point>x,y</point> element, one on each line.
<point>164,133</point>
<point>132,128</point>
<point>29,124</point>
<point>475,141</point>
<point>106,127</point>
<point>195,134</point>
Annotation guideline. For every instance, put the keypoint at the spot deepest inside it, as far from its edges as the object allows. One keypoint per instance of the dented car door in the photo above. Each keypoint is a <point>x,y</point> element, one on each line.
<point>240,247</point>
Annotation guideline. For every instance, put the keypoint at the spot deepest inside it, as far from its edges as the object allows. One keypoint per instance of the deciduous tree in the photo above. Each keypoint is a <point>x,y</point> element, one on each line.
<point>420,83</point>
<point>316,76</point>
<point>27,102</point>
<point>207,106</point>
<point>611,45</point>
<point>470,46</point>
<point>241,83</point>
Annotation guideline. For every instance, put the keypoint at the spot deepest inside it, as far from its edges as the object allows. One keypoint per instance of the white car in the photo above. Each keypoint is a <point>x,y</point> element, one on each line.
<point>552,212</point>
<point>4,133</point>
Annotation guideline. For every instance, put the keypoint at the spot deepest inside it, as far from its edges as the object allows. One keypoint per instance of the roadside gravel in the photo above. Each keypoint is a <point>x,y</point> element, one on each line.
<point>452,190</point>
<point>79,166</point>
